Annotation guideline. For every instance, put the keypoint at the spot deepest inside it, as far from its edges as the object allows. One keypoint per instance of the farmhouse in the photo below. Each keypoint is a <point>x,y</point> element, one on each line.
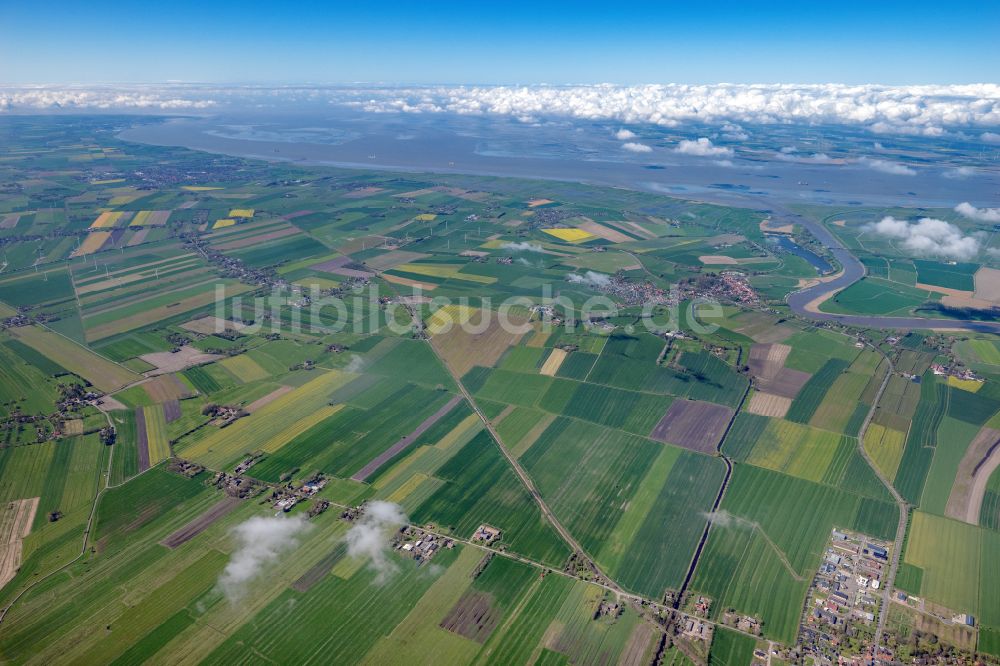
<point>486,534</point>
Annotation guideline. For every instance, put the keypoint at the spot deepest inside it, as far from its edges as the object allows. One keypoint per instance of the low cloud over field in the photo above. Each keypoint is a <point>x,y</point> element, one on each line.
<point>590,278</point>
<point>368,538</point>
<point>929,237</point>
<point>260,542</point>
<point>885,166</point>
<point>966,209</point>
<point>522,246</point>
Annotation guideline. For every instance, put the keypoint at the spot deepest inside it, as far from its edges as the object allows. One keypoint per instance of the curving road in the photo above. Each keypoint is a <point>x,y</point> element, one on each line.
<point>805,302</point>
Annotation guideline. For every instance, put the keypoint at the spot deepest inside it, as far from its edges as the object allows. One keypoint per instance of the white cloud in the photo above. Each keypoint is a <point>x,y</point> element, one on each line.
<point>885,166</point>
<point>703,147</point>
<point>260,542</point>
<point>523,246</point>
<point>634,147</point>
<point>815,158</point>
<point>590,278</point>
<point>923,110</point>
<point>624,134</point>
<point>929,237</point>
<point>368,538</point>
<point>965,209</point>
<point>959,172</point>
<point>102,99</point>
<point>356,364</point>
<point>734,132</point>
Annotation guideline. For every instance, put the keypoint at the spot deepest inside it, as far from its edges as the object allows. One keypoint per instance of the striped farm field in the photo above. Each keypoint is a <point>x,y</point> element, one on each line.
<point>150,218</point>
<point>768,404</point>
<point>137,314</point>
<point>268,424</point>
<point>244,368</point>
<point>448,317</point>
<point>106,220</point>
<point>94,241</point>
<point>885,447</point>
<point>99,371</point>
<point>156,434</point>
<point>986,351</point>
<point>448,271</point>
<point>552,363</point>
<point>948,552</point>
<point>570,234</point>
<point>795,449</point>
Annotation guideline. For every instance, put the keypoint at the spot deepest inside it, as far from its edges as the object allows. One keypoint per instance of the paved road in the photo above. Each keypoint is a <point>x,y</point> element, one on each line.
<point>901,504</point>
<point>854,270</point>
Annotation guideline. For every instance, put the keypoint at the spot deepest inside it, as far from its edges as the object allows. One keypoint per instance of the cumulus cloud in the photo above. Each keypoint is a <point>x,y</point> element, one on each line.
<point>703,147</point>
<point>884,166</point>
<point>260,542</point>
<point>634,147</point>
<point>368,538</point>
<point>734,132</point>
<point>624,134</point>
<point>590,278</point>
<point>929,237</point>
<point>815,158</point>
<point>522,246</point>
<point>102,99</point>
<point>959,172</point>
<point>922,110</point>
<point>965,209</point>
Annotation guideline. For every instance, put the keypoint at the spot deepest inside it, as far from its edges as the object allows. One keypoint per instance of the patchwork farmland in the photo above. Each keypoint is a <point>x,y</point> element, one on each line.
<point>192,365</point>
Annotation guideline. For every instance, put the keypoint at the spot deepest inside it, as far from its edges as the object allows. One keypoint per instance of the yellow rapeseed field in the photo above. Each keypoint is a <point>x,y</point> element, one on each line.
<point>970,385</point>
<point>570,234</point>
<point>105,220</point>
<point>448,316</point>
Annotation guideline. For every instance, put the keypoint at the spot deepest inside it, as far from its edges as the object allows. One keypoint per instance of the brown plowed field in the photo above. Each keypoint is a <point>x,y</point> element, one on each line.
<point>693,424</point>
<point>201,523</point>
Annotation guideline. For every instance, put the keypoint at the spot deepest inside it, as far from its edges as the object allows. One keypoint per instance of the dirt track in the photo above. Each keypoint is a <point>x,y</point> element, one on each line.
<point>15,524</point>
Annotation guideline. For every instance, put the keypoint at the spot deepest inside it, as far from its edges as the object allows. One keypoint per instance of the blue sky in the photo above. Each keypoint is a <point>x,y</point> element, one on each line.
<point>499,42</point>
